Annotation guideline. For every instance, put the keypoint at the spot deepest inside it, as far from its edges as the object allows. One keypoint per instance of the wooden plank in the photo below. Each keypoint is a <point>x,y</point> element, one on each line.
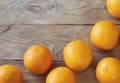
<point>53,12</point>
<point>15,40</point>
<point>28,77</point>
<point>82,77</point>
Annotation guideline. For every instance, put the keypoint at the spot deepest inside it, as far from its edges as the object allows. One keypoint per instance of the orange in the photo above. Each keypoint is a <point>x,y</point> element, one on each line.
<point>77,55</point>
<point>104,35</point>
<point>38,59</point>
<point>108,70</point>
<point>113,7</point>
<point>10,74</point>
<point>61,75</point>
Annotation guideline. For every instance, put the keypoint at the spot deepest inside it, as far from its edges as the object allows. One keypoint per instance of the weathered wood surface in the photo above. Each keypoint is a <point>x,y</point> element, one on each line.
<point>15,39</point>
<point>23,24</point>
<point>82,77</point>
<point>53,12</point>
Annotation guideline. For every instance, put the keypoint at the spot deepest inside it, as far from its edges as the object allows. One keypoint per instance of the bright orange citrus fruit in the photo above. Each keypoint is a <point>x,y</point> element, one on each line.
<point>38,59</point>
<point>113,7</point>
<point>108,70</point>
<point>104,35</point>
<point>10,74</point>
<point>77,55</point>
<point>61,75</point>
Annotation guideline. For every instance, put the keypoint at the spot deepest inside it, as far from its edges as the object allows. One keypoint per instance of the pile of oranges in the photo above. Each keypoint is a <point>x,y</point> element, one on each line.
<point>77,56</point>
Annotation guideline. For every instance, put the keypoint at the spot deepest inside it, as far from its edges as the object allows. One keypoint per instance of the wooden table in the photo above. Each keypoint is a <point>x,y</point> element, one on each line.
<point>52,23</point>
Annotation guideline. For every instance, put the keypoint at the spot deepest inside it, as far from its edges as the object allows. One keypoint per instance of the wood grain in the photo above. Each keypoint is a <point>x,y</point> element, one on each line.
<point>28,77</point>
<point>82,77</point>
<point>22,25</point>
<point>53,12</point>
<point>15,39</point>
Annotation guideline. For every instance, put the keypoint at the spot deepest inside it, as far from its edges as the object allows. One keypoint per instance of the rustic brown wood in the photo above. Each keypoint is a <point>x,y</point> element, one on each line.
<point>53,12</point>
<point>15,39</point>
<point>28,77</point>
<point>22,25</point>
<point>82,77</point>
<point>18,38</point>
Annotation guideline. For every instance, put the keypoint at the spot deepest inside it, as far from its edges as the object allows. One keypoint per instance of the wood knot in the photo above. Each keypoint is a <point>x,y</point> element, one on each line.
<point>39,8</point>
<point>4,28</point>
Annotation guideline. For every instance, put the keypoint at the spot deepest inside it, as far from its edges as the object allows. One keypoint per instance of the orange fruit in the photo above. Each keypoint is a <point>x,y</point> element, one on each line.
<point>10,74</point>
<point>77,55</point>
<point>38,59</point>
<point>104,35</point>
<point>61,75</point>
<point>113,7</point>
<point>108,70</point>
